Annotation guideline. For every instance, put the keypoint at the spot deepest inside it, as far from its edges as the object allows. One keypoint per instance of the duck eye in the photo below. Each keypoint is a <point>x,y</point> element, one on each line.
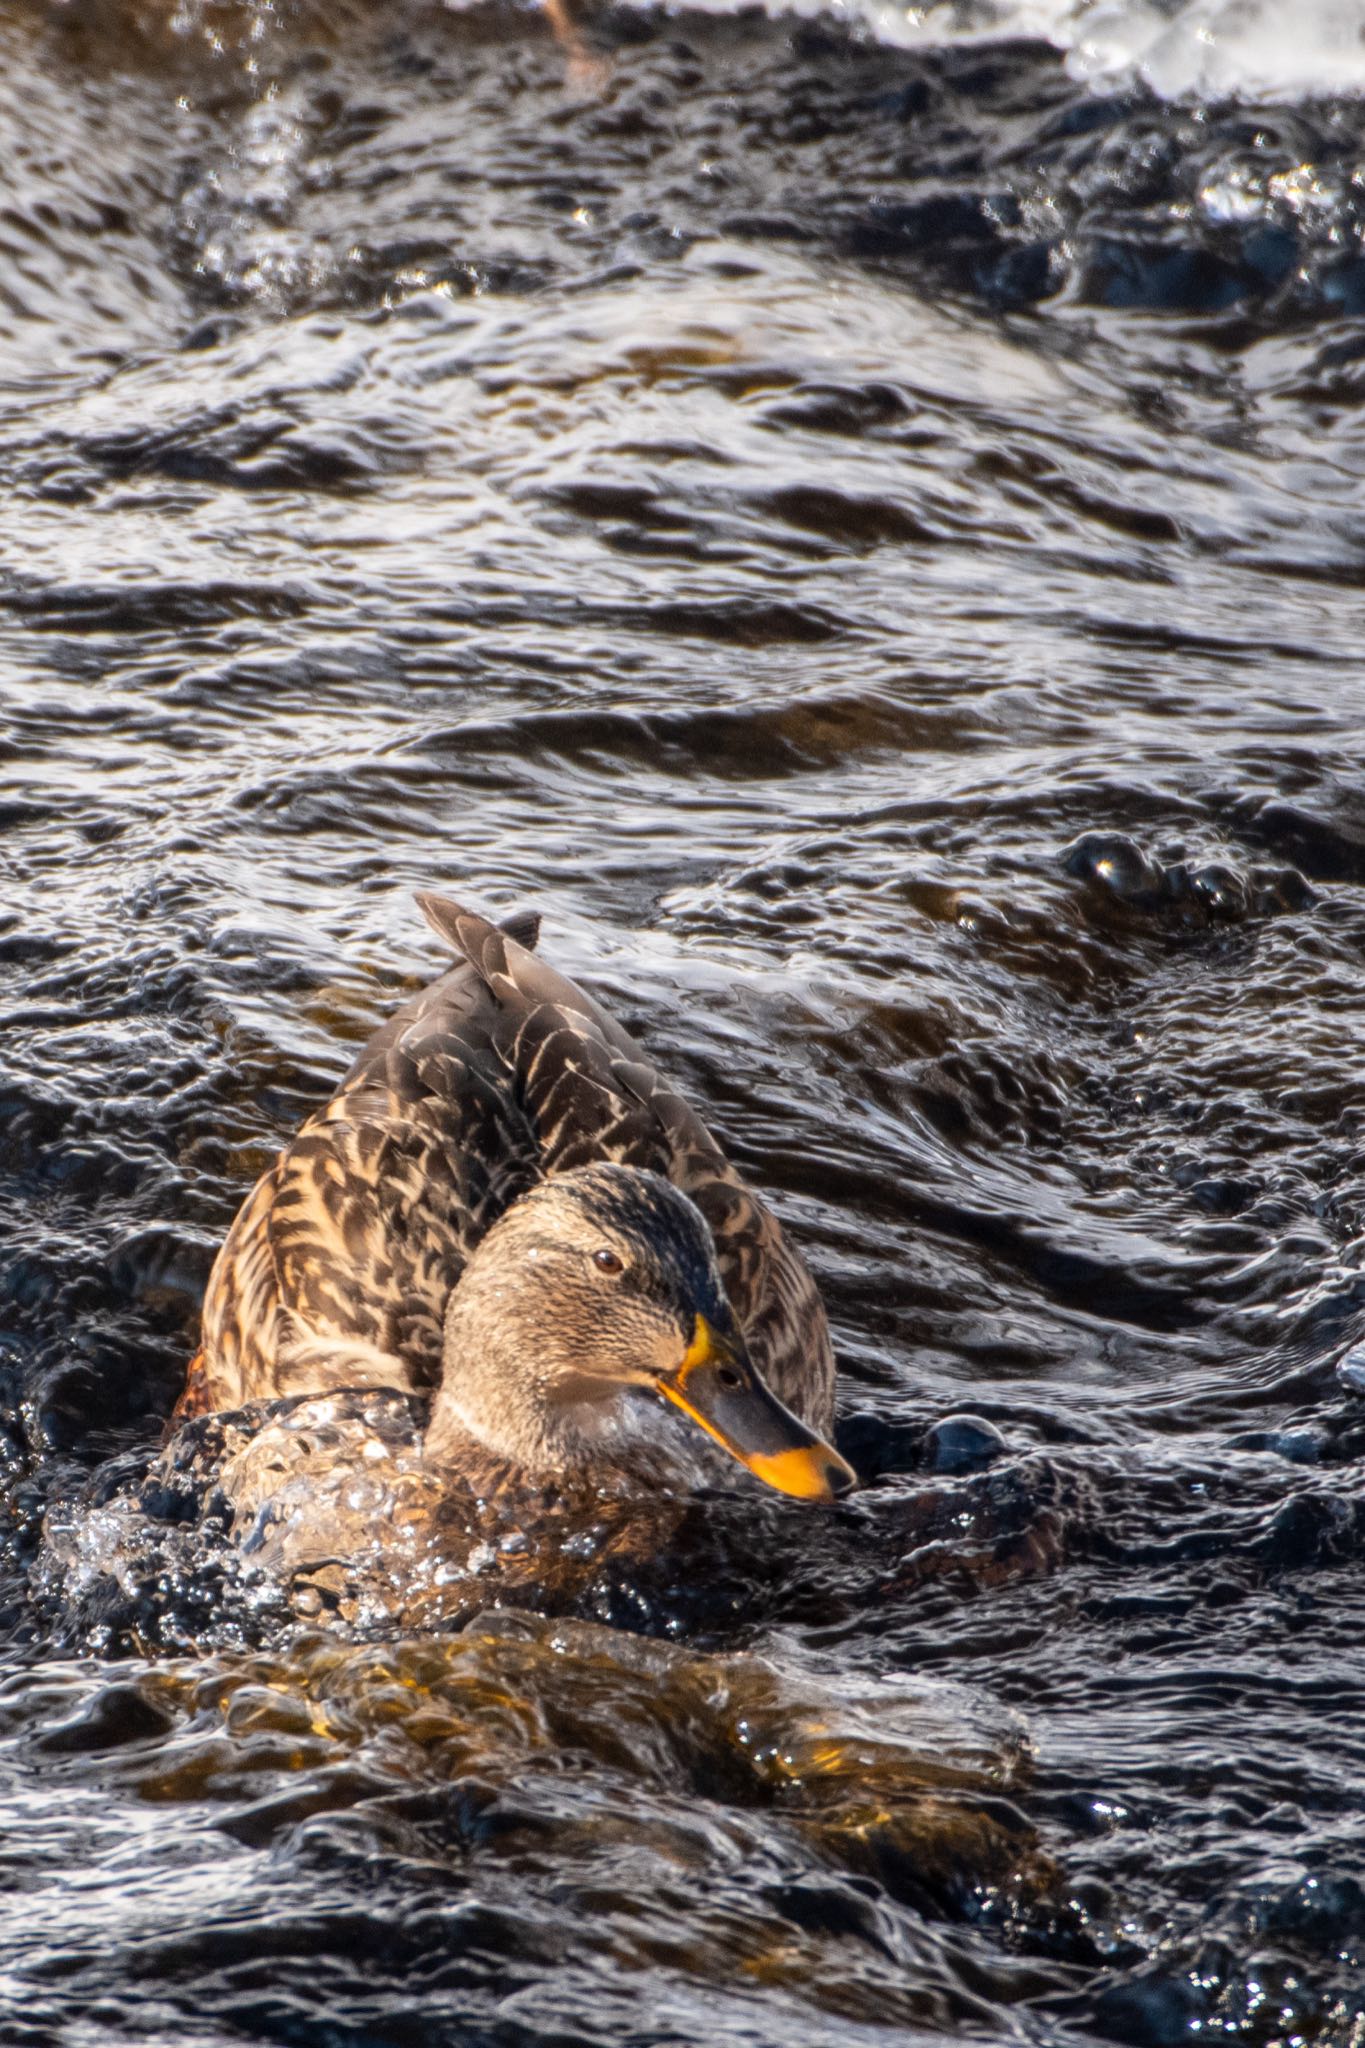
<point>607,1262</point>
<point>729,1377</point>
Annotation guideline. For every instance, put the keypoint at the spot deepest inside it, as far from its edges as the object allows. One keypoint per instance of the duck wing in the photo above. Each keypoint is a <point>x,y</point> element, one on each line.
<point>591,1093</point>
<point>341,1262</point>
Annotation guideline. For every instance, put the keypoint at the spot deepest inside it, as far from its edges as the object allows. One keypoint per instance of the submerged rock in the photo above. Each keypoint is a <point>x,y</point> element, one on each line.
<point>962,1443</point>
<point>1117,870</point>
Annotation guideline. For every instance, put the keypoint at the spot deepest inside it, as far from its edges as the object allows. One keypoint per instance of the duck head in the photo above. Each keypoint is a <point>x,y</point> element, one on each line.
<point>592,1303</point>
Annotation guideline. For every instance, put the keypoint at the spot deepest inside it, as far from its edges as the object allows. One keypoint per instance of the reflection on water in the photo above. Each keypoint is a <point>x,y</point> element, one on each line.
<point>743,1825</point>
<point>867,542</point>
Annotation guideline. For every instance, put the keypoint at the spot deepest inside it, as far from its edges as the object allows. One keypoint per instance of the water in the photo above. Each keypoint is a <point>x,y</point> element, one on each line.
<point>1254,49</point>
<point>867,540</point>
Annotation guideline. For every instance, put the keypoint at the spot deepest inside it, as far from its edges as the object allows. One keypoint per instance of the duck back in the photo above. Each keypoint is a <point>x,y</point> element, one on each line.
<point>340,1264</point>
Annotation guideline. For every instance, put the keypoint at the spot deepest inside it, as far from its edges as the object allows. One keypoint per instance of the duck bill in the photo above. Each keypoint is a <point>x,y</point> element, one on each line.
<point>718,1388</point>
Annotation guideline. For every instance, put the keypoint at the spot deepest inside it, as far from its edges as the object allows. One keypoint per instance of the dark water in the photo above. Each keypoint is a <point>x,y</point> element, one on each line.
<point>871,545</point>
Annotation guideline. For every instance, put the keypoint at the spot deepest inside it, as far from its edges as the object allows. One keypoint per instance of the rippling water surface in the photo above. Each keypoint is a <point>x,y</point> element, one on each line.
<point>869,542</point>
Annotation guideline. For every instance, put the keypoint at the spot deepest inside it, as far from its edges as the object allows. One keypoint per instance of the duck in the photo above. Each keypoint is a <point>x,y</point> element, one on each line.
<point>506,1231</point>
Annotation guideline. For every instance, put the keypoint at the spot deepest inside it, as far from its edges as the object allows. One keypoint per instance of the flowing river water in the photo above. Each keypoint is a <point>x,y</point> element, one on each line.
<point>868,540</point>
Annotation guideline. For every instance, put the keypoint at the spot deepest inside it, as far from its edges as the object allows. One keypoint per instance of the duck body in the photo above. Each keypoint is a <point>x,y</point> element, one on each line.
<point>501,1130</point>
<point>332,1501</point>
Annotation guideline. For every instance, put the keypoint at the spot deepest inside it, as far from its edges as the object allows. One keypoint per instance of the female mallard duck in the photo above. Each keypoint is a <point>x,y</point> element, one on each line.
<point>504,1207</point>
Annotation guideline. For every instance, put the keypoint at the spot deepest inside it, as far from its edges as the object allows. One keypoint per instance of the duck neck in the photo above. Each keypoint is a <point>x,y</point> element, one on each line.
<point>493,1392</point>
<point>469,1416</point>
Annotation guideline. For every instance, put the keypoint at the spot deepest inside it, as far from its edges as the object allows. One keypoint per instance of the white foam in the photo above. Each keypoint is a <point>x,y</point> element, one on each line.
<point>1260,49</point>
<point>1243,48</point>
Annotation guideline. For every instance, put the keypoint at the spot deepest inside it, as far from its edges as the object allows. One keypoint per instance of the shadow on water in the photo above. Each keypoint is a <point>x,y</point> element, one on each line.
<point>867,542</point>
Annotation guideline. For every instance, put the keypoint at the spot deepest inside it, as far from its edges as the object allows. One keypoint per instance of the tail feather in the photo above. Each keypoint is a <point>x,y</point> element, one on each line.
<point>469,933</point>
<point>522,927</point>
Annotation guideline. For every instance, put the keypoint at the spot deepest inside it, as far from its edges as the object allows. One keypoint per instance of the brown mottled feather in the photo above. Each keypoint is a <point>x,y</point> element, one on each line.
<point>339,1266</point>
